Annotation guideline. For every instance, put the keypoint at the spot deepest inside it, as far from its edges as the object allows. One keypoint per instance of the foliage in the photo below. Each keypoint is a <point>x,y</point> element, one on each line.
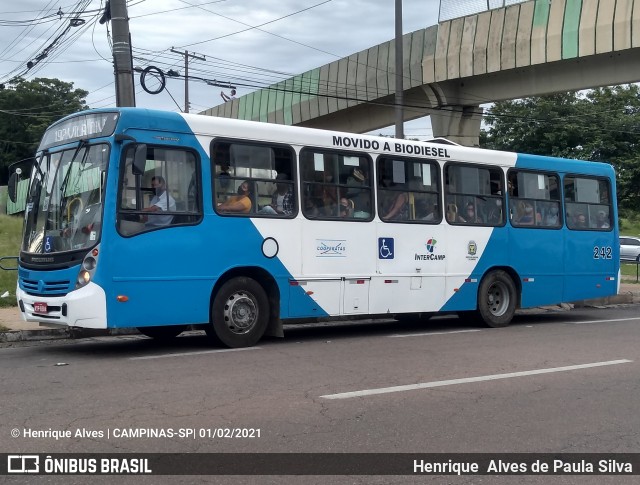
<point>600,125</point>
<point>26,109</point>
<point>10,236</point>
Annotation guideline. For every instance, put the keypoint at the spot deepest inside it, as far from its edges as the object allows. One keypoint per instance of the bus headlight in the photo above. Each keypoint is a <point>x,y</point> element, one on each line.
<point>88,268</point>
<point>89,263</point>
<point>83,278</point>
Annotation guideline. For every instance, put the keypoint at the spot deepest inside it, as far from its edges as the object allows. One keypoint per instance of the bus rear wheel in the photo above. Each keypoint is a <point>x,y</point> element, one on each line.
<point>239,314</point>
<point>497,299</point>
<point>162,333</point>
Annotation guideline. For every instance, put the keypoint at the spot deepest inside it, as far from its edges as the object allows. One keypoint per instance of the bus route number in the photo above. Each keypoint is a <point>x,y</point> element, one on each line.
<point>602,252</point>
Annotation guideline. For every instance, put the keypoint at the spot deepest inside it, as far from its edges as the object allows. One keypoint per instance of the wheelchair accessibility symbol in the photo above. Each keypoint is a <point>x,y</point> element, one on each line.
<point>385,248</point>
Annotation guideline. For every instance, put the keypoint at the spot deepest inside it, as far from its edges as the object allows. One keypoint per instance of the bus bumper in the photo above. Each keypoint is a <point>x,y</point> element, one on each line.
<point>85,308</point>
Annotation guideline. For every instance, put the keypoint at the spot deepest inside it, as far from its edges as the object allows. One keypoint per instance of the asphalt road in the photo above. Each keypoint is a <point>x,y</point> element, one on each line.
<point>552,382</point>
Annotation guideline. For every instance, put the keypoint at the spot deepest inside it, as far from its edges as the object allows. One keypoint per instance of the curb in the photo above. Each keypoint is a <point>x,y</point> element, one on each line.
<point>62,333</point>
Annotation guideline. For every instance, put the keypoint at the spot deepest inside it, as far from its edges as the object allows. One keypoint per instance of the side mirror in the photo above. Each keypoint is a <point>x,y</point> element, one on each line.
<point>139,159</point>
<point>13,187</point>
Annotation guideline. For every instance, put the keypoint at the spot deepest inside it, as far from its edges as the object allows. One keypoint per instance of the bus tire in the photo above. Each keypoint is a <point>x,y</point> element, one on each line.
<point>166,332</point>
<point>239,314</point>
<point>497,299</point>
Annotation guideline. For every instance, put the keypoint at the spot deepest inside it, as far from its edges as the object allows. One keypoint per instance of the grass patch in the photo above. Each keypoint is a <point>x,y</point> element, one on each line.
<point>4,329</point>
<point>10,236</point>
<point>629,226</point>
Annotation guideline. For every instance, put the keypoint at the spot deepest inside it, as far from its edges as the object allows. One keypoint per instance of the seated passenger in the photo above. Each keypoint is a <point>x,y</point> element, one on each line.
<point>160,202</point>
<point>346,208</point>
<point>602,220</point>
<point>240,203</point>
<point>580,221</point>
<point>470,214</point>
<point>452,214</point>
<point>399,208</point>
<point>282,199</point>
<point>552,218</point>
<point>527,218</point>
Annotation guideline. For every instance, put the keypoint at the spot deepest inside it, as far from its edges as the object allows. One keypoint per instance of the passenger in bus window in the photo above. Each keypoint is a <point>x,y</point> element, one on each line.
<point>357,192</point>
<point>328,193</point>
<point>403,205</point>
<point>580,221</point>
<point>552,218</point>
<point>527,218</point>
<point>398,208</point>
<point>471,215</point>
<point>282,198</point>
<point>602,220</point>
<point>311,207</point>
<point>346,208</point>
<point>452,213</point>
<point>160,202</point>
<point>495,213</point>
<point>240,203</point>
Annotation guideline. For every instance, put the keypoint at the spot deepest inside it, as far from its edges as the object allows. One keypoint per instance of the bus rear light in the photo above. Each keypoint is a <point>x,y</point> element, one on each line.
<point>95,252</point>
<point>122,298</point>
<point>309,292</point>
<point>610,278</point>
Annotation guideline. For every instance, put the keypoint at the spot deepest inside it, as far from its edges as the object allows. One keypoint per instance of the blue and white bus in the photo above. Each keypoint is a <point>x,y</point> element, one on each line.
<point>160,220</point>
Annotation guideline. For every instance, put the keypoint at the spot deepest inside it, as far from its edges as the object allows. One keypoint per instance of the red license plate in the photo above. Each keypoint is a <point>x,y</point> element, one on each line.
<point>40,307</point>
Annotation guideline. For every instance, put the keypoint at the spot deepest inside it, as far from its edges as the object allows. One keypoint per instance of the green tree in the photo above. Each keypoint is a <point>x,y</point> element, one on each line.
<point>599,125</point>
<point>27,108</point>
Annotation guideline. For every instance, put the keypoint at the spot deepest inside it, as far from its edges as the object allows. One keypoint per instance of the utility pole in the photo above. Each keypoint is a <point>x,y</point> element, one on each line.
<point>399,68</point>
<point>186,74</point>
<point>122,60</point>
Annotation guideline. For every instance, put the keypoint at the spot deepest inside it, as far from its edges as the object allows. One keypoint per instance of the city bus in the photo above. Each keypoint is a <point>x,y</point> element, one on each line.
<point>165,221</point>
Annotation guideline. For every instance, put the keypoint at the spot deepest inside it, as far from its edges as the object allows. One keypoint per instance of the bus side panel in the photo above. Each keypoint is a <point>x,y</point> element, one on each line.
<point>146,269</point>
<point>537,255</point>
<point>299,297</point>
<point>591,265</point>
<point>472,250</point>
<point>411,264</point>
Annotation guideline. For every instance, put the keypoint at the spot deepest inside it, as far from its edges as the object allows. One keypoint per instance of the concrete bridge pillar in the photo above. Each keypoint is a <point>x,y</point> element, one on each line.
<point>460,124</point>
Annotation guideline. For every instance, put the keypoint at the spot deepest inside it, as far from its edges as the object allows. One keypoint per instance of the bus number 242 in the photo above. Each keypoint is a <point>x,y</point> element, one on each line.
<point>603,252</point>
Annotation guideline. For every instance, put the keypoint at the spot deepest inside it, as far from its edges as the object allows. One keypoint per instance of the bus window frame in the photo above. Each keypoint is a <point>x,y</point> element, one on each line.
<point>347,153</point>
<point>502,189</point>
<point>199,214</point>
<point>609,203</point>
<point>439,190</point>
<point>560,200</point>
<point>254,212</point>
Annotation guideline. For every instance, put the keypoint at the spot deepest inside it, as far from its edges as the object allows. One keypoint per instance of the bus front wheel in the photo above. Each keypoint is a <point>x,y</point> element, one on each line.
<point>239,314</point>
<point>497,299</point>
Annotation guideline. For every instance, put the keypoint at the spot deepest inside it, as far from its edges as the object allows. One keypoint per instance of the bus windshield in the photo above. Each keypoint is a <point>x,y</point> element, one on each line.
<point>64,202</point>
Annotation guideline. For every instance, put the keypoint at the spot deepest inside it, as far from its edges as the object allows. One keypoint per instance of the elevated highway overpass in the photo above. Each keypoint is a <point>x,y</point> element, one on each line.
<point>450,69</point>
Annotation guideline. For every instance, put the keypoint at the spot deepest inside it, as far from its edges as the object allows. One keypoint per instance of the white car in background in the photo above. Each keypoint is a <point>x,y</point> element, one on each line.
<point>629,247</point>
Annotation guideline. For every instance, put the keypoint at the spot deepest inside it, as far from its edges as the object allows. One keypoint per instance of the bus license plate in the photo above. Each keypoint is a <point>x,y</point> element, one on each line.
<point>40,307</point>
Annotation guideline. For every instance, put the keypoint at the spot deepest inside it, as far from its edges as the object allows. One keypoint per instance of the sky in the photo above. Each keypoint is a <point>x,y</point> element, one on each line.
<point>247,43</point>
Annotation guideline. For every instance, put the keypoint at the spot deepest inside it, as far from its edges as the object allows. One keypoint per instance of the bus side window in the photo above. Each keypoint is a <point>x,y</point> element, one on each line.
<point>588,204</point>
<point>534,199</point>
<point>336,185</point>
